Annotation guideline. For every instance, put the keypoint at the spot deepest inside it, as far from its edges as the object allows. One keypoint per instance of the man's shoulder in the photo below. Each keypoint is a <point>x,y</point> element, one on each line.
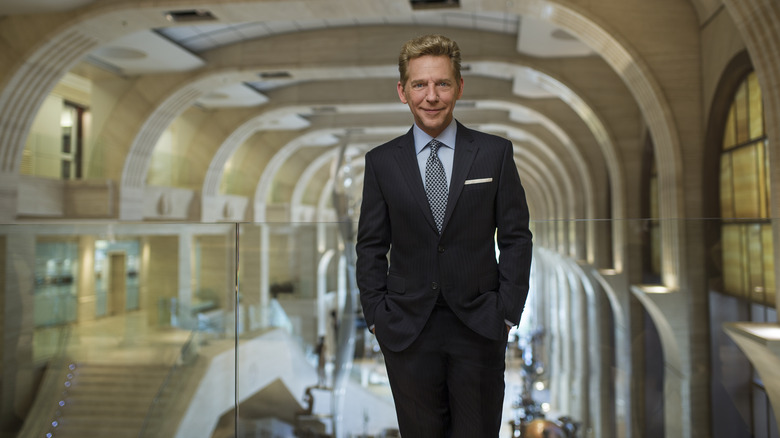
<point>389,146</point>
<point>483,138</point>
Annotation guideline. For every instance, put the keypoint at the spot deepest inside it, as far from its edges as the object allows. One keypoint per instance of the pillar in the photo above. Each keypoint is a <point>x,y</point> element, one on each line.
<point>85,283</point>
<point>17,271</point>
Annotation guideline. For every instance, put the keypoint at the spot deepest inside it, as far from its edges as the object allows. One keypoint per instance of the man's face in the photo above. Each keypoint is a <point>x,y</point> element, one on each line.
<point>431,92</point>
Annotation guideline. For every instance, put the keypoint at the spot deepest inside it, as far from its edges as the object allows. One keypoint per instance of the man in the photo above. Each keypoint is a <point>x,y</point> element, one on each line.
<point>442,308</point>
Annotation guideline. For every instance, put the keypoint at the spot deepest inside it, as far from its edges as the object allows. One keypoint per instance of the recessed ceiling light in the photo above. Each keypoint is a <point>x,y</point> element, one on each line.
<point>189,15</point>
<point>429,4</point>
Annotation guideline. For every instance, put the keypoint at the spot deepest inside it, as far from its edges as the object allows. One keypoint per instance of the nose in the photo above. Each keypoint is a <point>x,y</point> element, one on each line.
<point>431,95</point>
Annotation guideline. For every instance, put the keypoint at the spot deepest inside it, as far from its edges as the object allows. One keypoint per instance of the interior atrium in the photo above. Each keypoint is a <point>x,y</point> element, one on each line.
<point>180,183</point>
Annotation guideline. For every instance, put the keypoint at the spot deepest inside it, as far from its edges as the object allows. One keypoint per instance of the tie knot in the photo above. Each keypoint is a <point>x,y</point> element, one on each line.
<point>434,146</point>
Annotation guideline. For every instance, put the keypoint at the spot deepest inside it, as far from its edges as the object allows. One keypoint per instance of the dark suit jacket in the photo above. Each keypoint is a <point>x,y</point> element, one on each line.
<point>485,195</point>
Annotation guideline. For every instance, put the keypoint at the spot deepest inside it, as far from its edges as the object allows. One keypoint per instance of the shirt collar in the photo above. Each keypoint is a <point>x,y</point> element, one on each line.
<point>447,137</point>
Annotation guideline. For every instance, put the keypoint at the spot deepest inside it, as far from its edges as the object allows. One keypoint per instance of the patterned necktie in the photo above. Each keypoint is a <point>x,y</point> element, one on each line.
<point>436,184</point>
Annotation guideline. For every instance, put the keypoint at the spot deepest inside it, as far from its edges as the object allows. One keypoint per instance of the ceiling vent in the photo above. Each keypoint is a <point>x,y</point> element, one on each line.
<point>431,4</point>
<point>189,16</point>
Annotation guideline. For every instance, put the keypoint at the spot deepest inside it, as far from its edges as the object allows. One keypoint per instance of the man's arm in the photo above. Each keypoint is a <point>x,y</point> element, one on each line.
<point>514,239</point>
<point>373,243</point>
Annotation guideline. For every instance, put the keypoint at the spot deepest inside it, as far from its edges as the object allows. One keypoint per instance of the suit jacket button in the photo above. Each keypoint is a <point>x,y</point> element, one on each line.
<point>434,285</point>
<point>441,249</point>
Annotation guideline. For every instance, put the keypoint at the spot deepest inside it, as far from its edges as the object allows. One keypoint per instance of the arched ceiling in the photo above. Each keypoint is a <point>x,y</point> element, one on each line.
<point>247,88</point>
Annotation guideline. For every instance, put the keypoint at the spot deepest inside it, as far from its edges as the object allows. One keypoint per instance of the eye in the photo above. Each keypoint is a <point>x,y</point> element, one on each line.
<point>417,86</point>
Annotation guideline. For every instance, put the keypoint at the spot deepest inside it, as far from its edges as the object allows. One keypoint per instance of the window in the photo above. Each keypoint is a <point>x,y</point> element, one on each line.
<point>71,139</point>
<point>746,233</point>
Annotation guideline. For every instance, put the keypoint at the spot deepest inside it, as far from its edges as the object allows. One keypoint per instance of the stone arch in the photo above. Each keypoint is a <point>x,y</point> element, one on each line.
<point>306,177</point>
<point>674,375</point>
<point>550,178</point>
<point>267,121</point>
<point>649,95</point>
<point>134,166</point>
<point>613,49</point>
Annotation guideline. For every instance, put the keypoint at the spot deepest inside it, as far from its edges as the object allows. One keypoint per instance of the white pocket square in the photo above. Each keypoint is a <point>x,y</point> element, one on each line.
<point>478,181</point>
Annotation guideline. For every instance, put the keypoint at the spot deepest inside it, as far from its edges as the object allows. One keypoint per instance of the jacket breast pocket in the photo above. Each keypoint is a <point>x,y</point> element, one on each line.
<point>396,284</point>
<point>478,185</point>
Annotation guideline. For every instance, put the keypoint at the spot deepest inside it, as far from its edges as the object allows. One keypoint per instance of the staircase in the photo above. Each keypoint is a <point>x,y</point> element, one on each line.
<point>106,400</point>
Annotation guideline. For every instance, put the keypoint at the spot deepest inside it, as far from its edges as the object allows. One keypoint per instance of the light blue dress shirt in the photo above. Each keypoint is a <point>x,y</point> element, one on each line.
<point>446,154</point>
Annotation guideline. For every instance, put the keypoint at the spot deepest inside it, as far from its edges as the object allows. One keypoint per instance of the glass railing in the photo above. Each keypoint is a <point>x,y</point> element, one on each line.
<point>632,328</point>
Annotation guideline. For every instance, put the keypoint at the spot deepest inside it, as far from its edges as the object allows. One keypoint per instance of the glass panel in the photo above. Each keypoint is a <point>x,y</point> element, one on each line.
<point>755,263</point>
<point>732,259</point>
<point>56,278</point>
<point>756,108</point>
<point>726,187</point>
<point>176,354</point>
<point>730,131</point>
<point>763,181</point>
<point>144,348</point>
<point>746,193</point>
<point>741,103</point>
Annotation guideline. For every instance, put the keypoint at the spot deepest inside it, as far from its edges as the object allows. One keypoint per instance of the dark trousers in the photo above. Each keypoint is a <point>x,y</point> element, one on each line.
<point>449,382</point>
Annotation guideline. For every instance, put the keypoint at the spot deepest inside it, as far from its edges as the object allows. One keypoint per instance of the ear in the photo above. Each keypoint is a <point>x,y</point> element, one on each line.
<point>401,94</point>
<point>460,89</point>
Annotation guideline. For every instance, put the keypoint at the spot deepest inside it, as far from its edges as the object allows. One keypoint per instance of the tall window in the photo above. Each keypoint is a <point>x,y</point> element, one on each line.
<point>748,256</point>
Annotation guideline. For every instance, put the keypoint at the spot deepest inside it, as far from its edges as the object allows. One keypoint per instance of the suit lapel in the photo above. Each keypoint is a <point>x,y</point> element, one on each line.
<point>410,170</point>
<point>465,151</point>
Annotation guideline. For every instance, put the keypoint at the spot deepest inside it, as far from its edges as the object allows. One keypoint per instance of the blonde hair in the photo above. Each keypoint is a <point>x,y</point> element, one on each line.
<point>435,45</point>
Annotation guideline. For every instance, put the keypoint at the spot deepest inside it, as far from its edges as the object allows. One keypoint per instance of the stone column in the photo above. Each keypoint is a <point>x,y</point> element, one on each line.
<point>305,260</point>
<point>85,283</point>
<point>159,277</point>
<point>601,403</point>
<point>216,272</point>
<point>250,260</point>
<point>581,345</point>
<point>184,293</point>
<point>265,284</point>
<point>9,192</point>
<point>17,269</point>
<point>567,340</point>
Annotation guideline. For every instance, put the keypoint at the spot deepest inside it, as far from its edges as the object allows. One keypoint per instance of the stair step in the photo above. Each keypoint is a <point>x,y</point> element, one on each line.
<point>108,401</point>
<point>102,410</point>
<point>96,432</point>
<point>98,389</point>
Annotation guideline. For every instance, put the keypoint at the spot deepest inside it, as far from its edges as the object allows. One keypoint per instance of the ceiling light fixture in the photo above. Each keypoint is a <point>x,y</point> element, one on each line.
<point>430,4</point>
<point>189,15</point>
